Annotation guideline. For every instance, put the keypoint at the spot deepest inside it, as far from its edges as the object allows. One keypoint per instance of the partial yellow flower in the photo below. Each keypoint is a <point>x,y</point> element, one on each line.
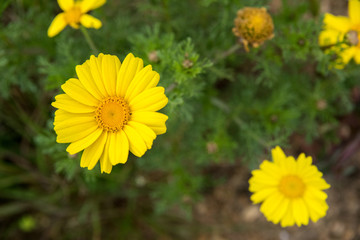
<point>110,109</point>
<point>342,35</point>
<point>75,14</point>
<point>291,191</point>
<point>253,26</point>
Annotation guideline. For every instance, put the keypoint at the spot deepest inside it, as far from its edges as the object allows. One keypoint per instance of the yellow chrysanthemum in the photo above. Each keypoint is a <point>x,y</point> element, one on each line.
<point>253,26</point>
<point>290,190</point>
<point>110,110</point>
<point>75,14</point>
<point>342,35</point>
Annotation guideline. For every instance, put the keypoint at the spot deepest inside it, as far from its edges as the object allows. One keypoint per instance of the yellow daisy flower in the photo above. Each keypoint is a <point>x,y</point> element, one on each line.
<point>290,190</point>
<point>109,110</point>
<point>75,14</point>
<point>253,26</point>
<point>342,34</point>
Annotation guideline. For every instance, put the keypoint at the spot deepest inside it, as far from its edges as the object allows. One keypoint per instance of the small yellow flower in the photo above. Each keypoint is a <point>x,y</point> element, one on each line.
<point>342,35</point>
<point>75,14</point>
<point>110,109</point>
<point>253,26</point>
<point>290,190</point>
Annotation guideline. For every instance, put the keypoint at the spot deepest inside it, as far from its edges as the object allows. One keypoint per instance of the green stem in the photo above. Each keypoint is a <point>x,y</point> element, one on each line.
<point>227,53</point>
<point>345,41</point>
<point>167,14</point>
<point>89,40</point>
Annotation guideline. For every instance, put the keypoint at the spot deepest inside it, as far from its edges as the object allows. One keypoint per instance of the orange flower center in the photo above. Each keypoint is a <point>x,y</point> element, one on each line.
<point>292,186</point>
<point>73,15</point>
<point>112,114</point>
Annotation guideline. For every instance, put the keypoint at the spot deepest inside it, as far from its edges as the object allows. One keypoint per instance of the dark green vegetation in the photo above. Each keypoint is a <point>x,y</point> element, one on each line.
<point>224,107</point>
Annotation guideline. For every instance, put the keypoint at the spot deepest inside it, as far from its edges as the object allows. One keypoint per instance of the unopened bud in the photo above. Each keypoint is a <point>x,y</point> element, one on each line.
<point>153,56</point>
<point>321,104</point>
<point>211,147</point>
<point>72,155</point>
<point>187,63</point>
<point>352,37</point>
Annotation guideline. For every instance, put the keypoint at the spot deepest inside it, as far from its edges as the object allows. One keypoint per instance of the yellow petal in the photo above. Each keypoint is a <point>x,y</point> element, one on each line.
<point>110,68</point>
<point>62,116</point>
<point>63,101</point>
<point>74,25</point>
<point>159,130</point>
<point>90,72</point>
<point>152,99</point>
<point>65,4</point>
<point>57,25</point>
<point>300,212</point>
<point>271,169</point>
<point>145,132</point>
<point>128,69</point>
<point>83,143</point>
<point>75,132</point>
<point>257,187</point>
<point>92,154</point>
<point>143,80</point>
<point>89,21</point>
<point>339,23</point>
<point>313,192</point>
<point>154,120</point>
<point>87,5</point>
<point>261,177</point>
<point>269,206</point>
<point>346,55</point>
<point>330,37</point>
<point>98,4</point>
<point>74,88</point>
<point>105,164</point>
<point>354,11</point>
<point>84,74</point>
<point>278,156</point>
<point>290,165</point>
<point>311,172</point>
<point>77,119</point>
<point>303,163</point>
<point>288,219</point>
<point>136,143</point>
<point>317,208</point>
<point>119,148</point>
<point>357,56</point>
<point>281,210</point>
<point>318,183</point>
<point>262,195</point>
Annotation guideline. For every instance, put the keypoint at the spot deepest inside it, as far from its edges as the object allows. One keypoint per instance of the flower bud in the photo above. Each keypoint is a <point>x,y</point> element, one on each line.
<point>253,26</point>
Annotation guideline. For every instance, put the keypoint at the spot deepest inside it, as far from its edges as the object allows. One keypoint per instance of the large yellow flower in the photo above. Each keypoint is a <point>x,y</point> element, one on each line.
<point>290,190</point>
<point>75,14</point>
<point>110,110</point>
<point>342,34</point>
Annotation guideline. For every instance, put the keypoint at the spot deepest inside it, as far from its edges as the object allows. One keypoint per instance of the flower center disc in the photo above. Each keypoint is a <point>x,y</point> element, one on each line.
<point>292,186</point>
<point>256,24</point>
<point>72,16</point>
<point>112,114</point>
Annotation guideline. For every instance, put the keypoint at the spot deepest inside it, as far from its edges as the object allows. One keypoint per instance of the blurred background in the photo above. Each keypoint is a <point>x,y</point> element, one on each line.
<point>227,109</point>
